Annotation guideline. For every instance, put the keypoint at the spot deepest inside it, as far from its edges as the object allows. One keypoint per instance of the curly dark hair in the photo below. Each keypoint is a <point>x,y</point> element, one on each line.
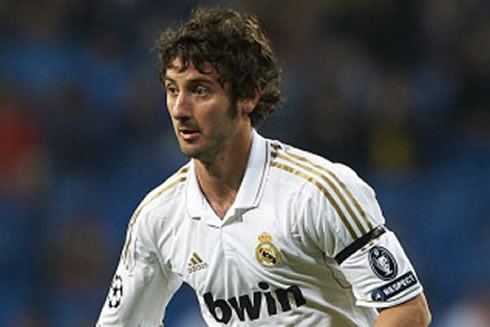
<point>234,44</point>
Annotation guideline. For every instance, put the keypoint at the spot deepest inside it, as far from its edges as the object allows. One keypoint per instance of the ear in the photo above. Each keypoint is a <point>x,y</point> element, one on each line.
<point>248,105</point>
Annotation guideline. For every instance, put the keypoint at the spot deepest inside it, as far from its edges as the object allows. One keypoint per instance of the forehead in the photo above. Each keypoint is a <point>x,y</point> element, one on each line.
<point>177,70</point>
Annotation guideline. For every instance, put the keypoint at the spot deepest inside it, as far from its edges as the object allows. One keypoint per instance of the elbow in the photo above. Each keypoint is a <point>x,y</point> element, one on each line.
<point>424,314</point>
<point>423,318</point>
<point>427,317</point>
<point>412,313</point>
<point>420,313</point>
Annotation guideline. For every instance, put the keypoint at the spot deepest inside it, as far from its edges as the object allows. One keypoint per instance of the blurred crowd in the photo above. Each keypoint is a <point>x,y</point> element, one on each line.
<point>398,90</point>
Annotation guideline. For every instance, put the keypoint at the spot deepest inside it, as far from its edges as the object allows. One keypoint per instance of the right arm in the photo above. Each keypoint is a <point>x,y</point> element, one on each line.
<point>141,289</point>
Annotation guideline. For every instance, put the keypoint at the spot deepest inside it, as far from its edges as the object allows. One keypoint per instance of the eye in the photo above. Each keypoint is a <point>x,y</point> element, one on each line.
<point>171,90</point>
<point>201,90</point>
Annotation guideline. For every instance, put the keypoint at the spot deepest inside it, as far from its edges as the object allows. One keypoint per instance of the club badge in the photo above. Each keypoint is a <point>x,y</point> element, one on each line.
<point>266,253</point>
<point>383,263</point>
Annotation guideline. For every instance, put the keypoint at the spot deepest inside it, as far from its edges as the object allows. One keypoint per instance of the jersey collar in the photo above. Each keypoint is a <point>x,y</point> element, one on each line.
<point>248,195</point>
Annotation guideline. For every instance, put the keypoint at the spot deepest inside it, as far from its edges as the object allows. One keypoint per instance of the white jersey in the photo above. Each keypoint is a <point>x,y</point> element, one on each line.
<point>304,244</point>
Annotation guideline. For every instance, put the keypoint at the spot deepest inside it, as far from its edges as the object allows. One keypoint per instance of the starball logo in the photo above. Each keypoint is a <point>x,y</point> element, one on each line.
<point>246,308</point>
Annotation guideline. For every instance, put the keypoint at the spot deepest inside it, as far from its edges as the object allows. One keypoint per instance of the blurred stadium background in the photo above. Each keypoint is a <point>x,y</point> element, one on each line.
<point>399,90</point>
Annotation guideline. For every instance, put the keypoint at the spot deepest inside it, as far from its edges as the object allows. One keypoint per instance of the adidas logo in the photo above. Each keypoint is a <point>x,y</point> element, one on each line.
<point>196,264</point>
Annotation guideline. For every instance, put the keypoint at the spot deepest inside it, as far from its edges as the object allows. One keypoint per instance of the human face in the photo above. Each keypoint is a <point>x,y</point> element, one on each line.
<point>203,116</point>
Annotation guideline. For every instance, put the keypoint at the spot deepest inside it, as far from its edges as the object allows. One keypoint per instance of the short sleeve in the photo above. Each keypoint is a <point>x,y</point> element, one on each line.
<point>381,274</point>
<point>350,229</point>
<point>141,288</point>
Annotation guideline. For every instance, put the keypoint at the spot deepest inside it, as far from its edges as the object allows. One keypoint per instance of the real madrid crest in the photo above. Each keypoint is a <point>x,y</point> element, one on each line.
<point>266,253</point>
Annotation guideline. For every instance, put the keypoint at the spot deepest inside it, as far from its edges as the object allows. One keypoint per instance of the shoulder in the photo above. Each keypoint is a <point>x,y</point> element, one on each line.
<point>334,199</point>
<point>165,193</point>
<point>311,170</point>
<point>332,187</point>
<point>142,228</point>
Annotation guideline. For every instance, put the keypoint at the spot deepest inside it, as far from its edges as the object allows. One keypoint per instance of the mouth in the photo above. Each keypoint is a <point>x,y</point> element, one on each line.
<point>188,134</point>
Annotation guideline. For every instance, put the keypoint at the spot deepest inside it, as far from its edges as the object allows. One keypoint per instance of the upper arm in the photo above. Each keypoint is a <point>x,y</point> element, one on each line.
<point>141,288</point>
<point>350,229</point>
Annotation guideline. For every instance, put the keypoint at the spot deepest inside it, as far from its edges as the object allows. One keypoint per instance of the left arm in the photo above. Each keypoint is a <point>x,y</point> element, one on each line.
<point>413,313</point>
<point>369,255</point>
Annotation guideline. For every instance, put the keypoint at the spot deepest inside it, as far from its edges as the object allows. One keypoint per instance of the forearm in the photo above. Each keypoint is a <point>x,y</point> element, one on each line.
<point>413,313</point>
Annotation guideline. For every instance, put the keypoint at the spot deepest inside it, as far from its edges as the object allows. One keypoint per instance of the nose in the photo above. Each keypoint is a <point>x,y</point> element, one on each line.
<point>179,106</point>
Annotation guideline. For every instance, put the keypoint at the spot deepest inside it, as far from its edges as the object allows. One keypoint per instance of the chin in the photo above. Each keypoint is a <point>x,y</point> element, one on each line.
<point>188,152</point>
<point>199,153</point>
<point>191,151</point>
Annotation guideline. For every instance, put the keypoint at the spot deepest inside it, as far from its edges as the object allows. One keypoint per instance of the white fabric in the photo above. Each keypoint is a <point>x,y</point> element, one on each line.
<point>310,209</point>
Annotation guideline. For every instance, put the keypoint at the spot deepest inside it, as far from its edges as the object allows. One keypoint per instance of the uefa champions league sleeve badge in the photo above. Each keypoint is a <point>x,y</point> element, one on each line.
<point>383,263</point>
<point>114,298</point>
<point>266,253</point>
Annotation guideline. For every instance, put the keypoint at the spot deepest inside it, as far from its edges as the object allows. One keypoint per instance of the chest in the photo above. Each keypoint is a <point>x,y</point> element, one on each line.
<point>256,250</point>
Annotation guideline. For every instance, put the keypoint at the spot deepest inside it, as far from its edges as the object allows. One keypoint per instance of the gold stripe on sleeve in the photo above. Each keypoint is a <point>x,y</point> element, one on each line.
<point>342,185</point>
<point>322,189</point>
<point>165,187</point>
<point>332,186</point>
<point>163,190</point>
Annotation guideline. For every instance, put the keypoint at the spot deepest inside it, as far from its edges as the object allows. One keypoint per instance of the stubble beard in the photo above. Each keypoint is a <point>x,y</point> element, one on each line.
<point>216,142</point>
<point>208,152</point>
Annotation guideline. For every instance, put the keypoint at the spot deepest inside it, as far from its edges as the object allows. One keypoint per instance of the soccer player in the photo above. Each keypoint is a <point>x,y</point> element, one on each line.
<point>266,234</point>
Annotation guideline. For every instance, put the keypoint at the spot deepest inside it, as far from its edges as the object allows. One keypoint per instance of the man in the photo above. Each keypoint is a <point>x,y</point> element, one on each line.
<point>266,234</point>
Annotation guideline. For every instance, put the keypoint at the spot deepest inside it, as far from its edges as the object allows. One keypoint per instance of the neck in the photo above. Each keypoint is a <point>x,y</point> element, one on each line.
<point>220,179</point>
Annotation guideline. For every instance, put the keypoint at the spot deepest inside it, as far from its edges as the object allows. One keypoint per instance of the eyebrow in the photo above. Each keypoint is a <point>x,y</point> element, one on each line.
<point>197,80</point>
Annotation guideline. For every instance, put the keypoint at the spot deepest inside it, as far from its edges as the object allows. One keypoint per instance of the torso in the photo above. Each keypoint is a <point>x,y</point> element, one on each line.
<point>241,279</point>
